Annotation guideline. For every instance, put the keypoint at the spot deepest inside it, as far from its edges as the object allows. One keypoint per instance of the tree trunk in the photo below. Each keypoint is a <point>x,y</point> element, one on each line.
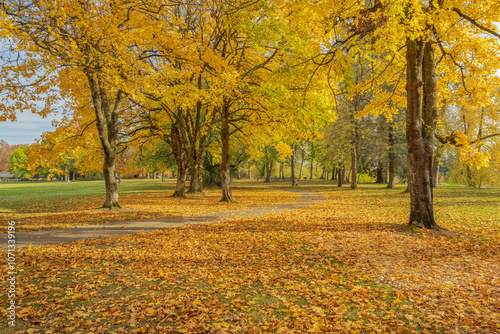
<point>341,177</point>
<point>178,150</point>
<point>334,173</point>
<point>311,170</point>
<point>162,176</point>
<point>107,129</point>
<point>110,182</point>
<point>196,169</point>
<point>435,165</point>
<point>225,165</point>
<point>392,157</point>
<point>300,171</point>
<point>420,126</point>
<point>294,157</point>
<point>380,173</point>
<point>119,178</point>
<point>282,170</point>
<point>268,172</point>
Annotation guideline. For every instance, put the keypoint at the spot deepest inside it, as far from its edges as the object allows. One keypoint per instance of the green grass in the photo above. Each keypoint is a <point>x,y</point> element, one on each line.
<point>15,195</point>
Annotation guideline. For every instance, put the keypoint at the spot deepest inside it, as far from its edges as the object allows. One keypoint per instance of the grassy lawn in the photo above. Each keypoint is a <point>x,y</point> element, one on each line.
<point>346,264</point>
<point>48,205</point>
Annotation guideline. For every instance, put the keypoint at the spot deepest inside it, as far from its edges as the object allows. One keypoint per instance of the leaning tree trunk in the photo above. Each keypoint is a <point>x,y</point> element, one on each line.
<point>420,126</point>
<point>225,165</point>
<point>294,157</point>
<point>107,129</point>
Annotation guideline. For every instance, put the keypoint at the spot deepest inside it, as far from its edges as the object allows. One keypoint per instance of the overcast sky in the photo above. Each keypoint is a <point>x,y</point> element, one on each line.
<point>26,129</point>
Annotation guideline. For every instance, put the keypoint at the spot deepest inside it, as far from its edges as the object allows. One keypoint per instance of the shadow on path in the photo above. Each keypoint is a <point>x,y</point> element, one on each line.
<point>114,229</point>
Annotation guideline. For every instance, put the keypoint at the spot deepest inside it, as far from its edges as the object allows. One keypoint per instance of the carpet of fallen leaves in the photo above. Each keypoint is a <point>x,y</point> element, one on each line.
<point>41,214</point>
<point>347,264</point>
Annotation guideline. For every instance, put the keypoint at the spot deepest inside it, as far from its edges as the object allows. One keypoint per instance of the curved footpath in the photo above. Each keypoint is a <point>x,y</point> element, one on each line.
<point>113,229</point>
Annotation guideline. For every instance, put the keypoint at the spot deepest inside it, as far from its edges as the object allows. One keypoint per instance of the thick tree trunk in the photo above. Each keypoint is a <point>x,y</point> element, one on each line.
<point>111,184</point>
<point>225,165</point>
<point>392,158</point>
<point>268,172</point>
<point>107,129</point>
<point>294,157</point>
<point>420,126</point>
<point>380,173</point>
<point>196,171</point>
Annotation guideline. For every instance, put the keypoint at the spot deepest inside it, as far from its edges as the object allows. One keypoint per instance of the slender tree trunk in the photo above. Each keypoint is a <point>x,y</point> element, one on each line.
<point>392,157</point>
<point>334,173</point>
<point>435,165</point>
<point>300,171</point>
<point>341,177</point>
<point>354,157</point>
<point>178,150</point>
<point>311,170</point>
<point>119,178</point>
<point>420,126</point>
<point>282,170</point>
<point>294,157</point>
<point>225,165</point>
<point>162,176</point>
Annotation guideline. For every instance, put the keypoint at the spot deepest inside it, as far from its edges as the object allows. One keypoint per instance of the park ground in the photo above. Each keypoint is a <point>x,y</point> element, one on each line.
<point>346,264</point>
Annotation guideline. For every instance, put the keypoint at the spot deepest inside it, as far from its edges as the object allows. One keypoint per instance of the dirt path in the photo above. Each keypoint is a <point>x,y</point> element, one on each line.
<point>113,229</point>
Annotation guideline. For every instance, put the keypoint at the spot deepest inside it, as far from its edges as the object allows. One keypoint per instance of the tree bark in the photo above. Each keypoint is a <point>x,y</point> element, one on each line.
<point>341,177</point>
<point>435,165</point>
<point>294,157</point>
<point>178,150</point>
<point>392,158</point>
<point>380,173</point>
<point>107,129</point>
<point>162,176</point>
<point>301,165</point>
<point>311,170</point>
<point>420,126</point>
<point>196,169</point>
<point>268,172</point>
<point>225,165</point>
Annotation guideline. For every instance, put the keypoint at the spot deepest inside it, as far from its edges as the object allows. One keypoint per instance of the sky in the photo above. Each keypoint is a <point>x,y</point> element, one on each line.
<point>26,129</point>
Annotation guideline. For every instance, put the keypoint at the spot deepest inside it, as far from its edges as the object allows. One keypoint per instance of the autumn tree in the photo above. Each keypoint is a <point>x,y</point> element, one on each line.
<point>89,43</point>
